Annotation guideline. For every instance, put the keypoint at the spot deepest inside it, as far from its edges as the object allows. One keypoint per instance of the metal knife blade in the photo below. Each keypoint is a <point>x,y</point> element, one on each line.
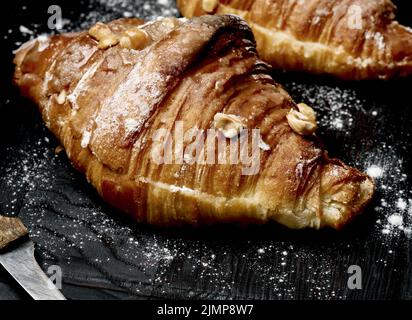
<point>23,267</point>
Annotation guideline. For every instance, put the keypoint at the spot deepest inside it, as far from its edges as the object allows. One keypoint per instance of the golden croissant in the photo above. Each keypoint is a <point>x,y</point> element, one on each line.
<point>109,94</point>
<point>352,39</point>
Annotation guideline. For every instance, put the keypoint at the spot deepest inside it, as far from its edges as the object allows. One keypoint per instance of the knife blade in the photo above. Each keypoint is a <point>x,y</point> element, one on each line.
<point>19,261</point>
<point>22,266</point>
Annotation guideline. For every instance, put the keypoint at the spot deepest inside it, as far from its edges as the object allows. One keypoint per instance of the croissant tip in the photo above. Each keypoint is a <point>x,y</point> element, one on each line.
<point>338,214</point>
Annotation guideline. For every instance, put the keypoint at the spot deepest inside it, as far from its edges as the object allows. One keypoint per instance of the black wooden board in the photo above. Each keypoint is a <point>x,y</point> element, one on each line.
<point>104,255</point>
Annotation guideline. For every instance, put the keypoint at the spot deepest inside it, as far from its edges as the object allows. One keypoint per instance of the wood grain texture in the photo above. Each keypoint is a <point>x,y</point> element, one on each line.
<point>107,256</point>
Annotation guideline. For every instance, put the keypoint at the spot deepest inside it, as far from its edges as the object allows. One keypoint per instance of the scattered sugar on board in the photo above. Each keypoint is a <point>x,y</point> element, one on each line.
<point>156,255</point>
<point>394,204</point>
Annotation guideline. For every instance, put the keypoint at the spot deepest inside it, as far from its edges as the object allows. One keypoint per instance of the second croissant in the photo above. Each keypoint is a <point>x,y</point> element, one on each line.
<point>351,39</point>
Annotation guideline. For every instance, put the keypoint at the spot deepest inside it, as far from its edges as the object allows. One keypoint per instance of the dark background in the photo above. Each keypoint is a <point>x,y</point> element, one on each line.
<point>104,255</point>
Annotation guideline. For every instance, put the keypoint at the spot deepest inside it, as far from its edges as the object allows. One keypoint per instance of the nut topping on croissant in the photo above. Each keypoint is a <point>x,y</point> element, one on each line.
<point>134,38</point>
<point>230,125</point>
<point>104,35</point>
<point>61,98</point>
<point>123,106</point>
<point>303,121</point>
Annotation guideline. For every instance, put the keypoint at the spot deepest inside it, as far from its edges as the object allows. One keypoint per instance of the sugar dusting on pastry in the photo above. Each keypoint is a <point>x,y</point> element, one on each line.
<point>85,139</point>
<point>131,126</point>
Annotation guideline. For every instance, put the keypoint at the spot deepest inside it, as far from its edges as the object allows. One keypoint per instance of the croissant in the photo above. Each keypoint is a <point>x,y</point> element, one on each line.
<point>351,39</point>
<point>119,96</point>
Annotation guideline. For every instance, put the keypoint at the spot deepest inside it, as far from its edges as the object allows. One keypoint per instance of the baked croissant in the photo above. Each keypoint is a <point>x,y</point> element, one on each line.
<point>351,39</point>
<point>108,92</point>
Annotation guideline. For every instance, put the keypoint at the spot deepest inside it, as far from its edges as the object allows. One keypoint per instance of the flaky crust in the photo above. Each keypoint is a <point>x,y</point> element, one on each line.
<point>189,71</point>
<point>324,36</point>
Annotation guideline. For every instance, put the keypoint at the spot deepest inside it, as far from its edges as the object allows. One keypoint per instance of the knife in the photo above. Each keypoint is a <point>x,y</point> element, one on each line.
<point>17,257</point>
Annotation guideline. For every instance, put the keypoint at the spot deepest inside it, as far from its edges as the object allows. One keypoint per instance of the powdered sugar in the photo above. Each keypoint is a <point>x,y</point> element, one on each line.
<point>28,171</point>
<point>144,87</point>
<point>395,198</point>
<point>25,30</point>
<point>68,222</point>
<point>81,86</point>
<point>85,139</point>
<point>380,41</point>
<point>375,171</point>
<point>336,107</point>
<point>395,220</point>
<point>112,9</point>
<point>131,126</point>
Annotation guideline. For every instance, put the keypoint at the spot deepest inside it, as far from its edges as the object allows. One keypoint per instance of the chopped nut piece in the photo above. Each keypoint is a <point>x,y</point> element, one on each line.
<point>108,42</point>
<point>307,111</point>
<point>58,149</point>
<point>134,38</point>
<point>209,5</point>
<point>230,125</point>
<point>104,35</point>
<point>61,98</point>
<point>125,42</point>
<point>170,22</point>
<point>303,121</point>
<point>99,31</point>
